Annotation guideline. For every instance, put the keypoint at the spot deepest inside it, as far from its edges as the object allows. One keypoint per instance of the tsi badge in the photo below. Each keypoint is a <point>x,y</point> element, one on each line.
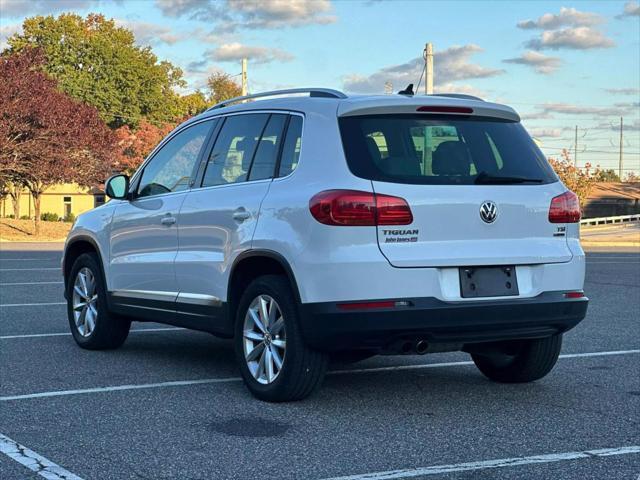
<point>488,212</point>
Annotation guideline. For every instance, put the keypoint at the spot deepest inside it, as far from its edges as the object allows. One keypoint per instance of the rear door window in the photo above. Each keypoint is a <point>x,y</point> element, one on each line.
<point>441,150</point>
<point>264,162</point>
<point>232,154</point>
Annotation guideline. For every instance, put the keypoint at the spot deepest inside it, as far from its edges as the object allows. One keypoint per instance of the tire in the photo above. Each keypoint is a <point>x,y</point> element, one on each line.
<point>301,368</point>
<point>532,360</point>
<point>106,330</point>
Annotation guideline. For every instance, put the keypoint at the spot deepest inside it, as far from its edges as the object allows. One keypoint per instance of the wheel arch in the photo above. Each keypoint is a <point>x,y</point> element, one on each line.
<point>76,247</point>
<point>252,264</point>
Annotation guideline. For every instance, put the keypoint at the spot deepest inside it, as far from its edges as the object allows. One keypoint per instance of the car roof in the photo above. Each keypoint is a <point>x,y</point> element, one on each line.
<point>341,105</point>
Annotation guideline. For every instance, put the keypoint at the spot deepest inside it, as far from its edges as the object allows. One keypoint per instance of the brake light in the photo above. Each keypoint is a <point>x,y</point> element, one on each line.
<point>366,305</point>
<point>444,109</point>
<point>565,208</point>
<point>578,294</point>
<point>356,208</point>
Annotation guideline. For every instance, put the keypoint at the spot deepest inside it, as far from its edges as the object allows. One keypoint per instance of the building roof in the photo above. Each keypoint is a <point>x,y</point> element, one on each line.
<point>620,190</point>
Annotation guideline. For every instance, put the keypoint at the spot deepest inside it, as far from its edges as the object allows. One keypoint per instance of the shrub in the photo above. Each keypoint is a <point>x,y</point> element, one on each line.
<point>25,217</point>
<point>69,218</point>
<point>49,217</point>
<point>577,180</point>
<point>11,215</point>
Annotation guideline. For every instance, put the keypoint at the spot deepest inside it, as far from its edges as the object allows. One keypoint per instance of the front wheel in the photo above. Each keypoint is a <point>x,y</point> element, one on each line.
<point>522,361</point>
<point>92,325</point>
<point>275,362</point>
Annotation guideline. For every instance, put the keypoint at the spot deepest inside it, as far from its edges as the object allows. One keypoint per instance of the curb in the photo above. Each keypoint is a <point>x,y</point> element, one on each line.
<point>609,244</point>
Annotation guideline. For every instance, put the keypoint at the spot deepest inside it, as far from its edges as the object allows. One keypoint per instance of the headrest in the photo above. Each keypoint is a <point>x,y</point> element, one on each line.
<point>245,146</point>
<point>451,158</point>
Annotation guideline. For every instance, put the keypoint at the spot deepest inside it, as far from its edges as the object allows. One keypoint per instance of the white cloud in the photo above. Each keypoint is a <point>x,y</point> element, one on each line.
<point>539,62</point>
<point>623,91</point>
<point>546,132</point>
<point>147,33</point>
<point>6,31</point>
<point>541,115</point>
<point>570,109</point>
<point>631,9</point>
<point>450,65</point>
<point>231,15</point>
<point>566,17</point>
<point>578,38</point>
<point>22,8</point>
<point>570,29</point>
<point>233,52</point>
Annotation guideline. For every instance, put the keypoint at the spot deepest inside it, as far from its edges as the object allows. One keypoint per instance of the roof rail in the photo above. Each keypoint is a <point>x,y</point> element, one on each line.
<point>313,92</point>
<point>458,95</point>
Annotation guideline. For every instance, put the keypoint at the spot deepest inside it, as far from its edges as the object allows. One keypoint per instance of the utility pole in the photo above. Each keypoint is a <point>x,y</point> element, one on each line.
<point>244,77</point>
<point>620,160</point>
<point>575,148</point>
<point>428,66</point>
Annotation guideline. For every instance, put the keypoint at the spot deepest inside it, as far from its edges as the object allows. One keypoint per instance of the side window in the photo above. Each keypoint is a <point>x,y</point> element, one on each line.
<point>231,156</point>
<point>291,149</point>
<point>171,168</point>
<point>264,162</point>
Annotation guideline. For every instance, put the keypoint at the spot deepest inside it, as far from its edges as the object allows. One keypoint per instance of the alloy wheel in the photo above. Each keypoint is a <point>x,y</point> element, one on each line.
<point>85,302</point>
<point>264,339</point>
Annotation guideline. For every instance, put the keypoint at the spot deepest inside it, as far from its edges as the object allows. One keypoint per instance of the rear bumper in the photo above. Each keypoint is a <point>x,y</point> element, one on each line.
<point>326,326</point>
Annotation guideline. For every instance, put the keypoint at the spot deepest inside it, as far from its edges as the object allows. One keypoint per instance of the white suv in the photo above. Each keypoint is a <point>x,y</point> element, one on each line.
<point>309,223</point>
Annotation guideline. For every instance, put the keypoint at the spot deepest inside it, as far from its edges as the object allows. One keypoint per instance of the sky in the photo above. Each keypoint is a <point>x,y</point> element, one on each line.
<point>559,64</point>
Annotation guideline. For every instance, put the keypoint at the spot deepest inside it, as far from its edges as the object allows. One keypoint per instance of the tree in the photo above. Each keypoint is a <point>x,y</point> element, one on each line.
<point>193,104</point>
<point>609,175</point>
<point>135,145</point>
<point>222,87</point>
<point>46,137</point>
<point>632,177</point>
<point>99,63</point>
<point>578,181</point>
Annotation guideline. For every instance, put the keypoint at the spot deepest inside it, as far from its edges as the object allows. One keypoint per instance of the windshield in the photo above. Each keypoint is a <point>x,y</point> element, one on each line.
<point>442,150</point>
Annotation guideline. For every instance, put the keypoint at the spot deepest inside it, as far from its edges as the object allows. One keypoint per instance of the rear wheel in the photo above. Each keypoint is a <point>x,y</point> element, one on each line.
<point>275,363</point>
<point>520,361</point>
<point>92,325</point>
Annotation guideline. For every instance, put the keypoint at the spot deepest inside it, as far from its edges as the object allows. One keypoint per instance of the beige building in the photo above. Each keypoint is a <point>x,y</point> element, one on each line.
<point>60,199</point>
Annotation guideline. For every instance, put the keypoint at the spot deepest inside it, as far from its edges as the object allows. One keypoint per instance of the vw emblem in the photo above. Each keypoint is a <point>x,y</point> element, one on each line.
<point>488,212</point>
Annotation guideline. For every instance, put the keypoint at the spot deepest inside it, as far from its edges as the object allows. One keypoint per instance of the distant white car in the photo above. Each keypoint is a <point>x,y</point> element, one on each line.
<point>304,226</point>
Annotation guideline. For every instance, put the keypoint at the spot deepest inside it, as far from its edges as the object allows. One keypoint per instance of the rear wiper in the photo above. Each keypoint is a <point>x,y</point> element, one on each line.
<point>486,178</point>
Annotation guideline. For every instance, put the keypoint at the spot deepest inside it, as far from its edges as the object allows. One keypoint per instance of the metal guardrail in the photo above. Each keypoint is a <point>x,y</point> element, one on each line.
<point>610,220</point>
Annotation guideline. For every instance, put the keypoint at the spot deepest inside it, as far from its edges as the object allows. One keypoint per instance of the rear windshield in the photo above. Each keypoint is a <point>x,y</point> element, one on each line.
<point>442,150</point>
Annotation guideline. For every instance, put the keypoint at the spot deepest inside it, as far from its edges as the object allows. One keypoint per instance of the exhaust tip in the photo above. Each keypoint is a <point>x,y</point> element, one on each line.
<point>422,347</point>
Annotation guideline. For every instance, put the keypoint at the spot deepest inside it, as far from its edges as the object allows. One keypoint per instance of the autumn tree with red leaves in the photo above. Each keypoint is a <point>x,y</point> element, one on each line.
<point>135,145</point>
<point>46,137</point>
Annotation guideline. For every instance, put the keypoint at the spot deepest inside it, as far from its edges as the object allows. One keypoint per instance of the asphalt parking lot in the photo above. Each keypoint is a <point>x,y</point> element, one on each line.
<point>169,403</point>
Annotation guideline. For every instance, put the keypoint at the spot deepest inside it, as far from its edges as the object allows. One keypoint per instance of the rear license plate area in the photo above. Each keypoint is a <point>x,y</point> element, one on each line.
<point>488,281</point>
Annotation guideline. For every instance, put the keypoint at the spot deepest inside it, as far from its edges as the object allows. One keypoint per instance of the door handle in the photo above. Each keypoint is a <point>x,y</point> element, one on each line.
<point>168,221</point>
<point>240,215</point>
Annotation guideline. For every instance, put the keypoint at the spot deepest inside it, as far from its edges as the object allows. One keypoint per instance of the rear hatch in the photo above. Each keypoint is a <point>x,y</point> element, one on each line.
<point>478,187</point>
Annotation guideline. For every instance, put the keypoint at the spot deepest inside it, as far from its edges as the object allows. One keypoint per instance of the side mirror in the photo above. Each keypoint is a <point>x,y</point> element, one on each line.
<point>117,187</point>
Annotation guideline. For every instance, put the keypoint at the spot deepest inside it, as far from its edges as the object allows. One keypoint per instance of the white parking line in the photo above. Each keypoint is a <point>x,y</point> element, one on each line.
<point>67,334</point>
<point>29,283</point>
<point>500,463</point>
<point>27,269</point>
<point>44,259</point>
<point>30,304</point>
<point>34,462</point>
<point>181,383</point>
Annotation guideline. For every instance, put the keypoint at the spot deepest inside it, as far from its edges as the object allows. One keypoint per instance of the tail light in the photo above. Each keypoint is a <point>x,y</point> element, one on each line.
<point>355,208</point>
<point>565,208</point>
